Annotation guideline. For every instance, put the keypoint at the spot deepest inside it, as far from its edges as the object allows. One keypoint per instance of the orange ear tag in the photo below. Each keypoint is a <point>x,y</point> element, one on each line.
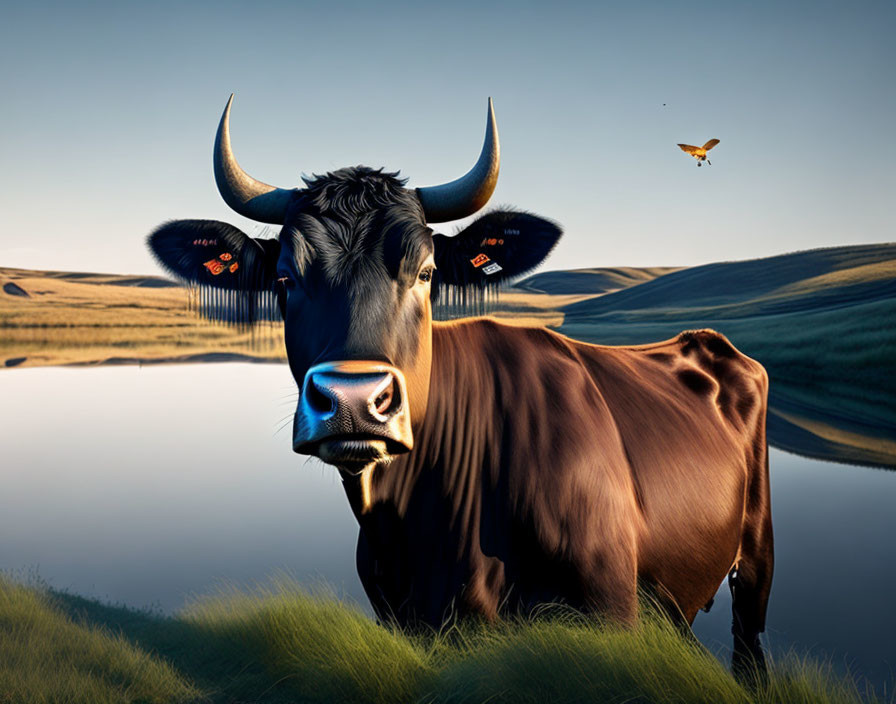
<point>479,260</point>
<point>214,266</point>
<point>226,257</point>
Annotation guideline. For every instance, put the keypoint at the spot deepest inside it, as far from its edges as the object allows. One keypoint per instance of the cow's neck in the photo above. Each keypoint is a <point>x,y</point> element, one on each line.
<point>451,445</point>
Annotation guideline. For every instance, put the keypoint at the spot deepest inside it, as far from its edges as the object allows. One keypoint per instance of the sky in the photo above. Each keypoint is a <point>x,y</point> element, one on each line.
<point>108,114</point>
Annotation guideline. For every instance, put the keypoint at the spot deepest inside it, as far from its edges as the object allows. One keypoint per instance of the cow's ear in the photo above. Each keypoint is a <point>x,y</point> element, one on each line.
<point>212,253</point>
<point>496,247</point>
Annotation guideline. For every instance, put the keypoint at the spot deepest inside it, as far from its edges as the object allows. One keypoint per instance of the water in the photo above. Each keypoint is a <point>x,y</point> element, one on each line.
<point>145,486</point>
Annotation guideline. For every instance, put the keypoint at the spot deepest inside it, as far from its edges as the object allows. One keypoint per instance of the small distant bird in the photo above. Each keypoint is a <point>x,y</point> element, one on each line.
<point>699,153</point>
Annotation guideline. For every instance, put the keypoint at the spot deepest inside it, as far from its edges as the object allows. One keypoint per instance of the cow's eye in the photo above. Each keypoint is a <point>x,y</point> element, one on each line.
<point>283,285</point>
<point>426,275</point>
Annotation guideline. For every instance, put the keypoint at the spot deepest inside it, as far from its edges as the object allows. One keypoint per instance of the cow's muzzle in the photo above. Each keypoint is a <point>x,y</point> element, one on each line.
<point>353,413</point>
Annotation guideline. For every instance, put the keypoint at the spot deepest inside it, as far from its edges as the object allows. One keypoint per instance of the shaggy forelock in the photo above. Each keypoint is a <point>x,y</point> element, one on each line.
<point>357,222</point>
<point>356,189</point>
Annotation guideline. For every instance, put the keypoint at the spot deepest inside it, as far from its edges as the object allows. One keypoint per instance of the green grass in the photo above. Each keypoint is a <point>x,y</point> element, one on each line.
<point>284,644</point>
<point>47,657</point>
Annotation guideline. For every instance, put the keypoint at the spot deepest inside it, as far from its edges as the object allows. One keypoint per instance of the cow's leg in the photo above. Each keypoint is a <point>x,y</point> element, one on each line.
<point>620,600</point>
<point>610,578</point>
<point>750,582</point>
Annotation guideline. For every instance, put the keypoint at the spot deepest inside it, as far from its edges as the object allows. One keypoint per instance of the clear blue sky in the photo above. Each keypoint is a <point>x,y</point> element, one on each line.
<point>108,113</point>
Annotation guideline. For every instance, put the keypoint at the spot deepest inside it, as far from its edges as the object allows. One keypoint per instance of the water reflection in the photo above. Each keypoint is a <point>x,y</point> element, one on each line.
<point>812,423</point>
<point>145,485</point>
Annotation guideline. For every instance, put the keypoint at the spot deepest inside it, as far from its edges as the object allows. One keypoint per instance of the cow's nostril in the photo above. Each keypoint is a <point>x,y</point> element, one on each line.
<point>388,401</point>
<point>384,400</point>
<point>317,399</point>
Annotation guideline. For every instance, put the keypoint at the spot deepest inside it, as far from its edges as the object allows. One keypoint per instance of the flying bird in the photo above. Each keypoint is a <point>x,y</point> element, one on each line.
<point>699,153</point>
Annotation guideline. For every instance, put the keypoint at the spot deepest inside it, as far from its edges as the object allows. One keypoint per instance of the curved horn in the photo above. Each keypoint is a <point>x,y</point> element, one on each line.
<point>254,199</point>
<point>469,193</point>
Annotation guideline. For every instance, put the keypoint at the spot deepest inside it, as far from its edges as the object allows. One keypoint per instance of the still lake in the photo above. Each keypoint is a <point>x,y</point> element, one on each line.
<point>146,485</point>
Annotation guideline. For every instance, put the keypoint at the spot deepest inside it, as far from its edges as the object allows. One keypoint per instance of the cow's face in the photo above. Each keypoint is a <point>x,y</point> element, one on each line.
<point>355,269</point>
<point>354,277</point>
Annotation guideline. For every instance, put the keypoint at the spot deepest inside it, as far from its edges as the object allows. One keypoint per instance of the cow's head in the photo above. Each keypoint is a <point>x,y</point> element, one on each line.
<point>355,269</point>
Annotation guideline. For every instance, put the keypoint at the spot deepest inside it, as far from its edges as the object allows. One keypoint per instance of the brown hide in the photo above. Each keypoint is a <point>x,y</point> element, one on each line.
<point>552,470</point>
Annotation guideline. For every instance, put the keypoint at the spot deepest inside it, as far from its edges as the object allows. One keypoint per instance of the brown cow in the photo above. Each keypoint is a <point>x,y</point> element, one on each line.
<point>491,466</point>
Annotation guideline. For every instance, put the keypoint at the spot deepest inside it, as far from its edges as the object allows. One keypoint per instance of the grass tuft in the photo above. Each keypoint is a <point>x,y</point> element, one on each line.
<point>314,647</point>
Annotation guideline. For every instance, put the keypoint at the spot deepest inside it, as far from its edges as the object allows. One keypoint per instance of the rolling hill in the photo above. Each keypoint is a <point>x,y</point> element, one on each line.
<point>590,281</point>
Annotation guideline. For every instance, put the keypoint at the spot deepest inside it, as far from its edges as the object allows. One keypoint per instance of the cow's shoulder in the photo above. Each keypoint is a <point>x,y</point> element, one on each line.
<point>714,353</point>
<point>708,363</point>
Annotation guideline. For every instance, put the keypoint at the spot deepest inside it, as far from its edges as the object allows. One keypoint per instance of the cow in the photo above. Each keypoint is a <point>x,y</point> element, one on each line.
<point>494,468</point>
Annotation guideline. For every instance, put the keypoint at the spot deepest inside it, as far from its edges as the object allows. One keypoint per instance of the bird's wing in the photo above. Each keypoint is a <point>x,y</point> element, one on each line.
<point>689,149</point>
<point>710,144</point>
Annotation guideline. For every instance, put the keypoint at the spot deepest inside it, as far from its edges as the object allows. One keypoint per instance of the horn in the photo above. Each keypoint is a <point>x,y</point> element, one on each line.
<point>254,199</point>
<point>469,193</point>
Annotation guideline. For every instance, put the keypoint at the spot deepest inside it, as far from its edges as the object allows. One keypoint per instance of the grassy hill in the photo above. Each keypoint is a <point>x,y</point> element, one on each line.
<point>282,644</point>
<point>810,280</point>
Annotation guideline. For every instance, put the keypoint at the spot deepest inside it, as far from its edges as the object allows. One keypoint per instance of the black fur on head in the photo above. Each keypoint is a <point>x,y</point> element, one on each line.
<point>356,189</point>
<point>355,222</point>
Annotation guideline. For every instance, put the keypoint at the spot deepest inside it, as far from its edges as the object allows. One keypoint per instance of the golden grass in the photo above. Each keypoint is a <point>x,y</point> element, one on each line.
<point>866,273</point>
<point>98,318</point>
<point>516,298</point>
